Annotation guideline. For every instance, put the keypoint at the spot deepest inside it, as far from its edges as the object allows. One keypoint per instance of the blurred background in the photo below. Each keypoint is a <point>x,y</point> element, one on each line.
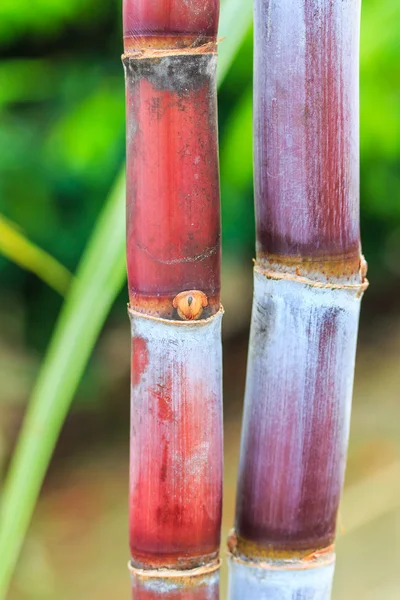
<point>61,148</point>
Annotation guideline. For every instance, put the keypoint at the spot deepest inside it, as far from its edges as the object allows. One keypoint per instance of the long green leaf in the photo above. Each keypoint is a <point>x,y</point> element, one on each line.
<point>98,281</point>
<point>18,248</point>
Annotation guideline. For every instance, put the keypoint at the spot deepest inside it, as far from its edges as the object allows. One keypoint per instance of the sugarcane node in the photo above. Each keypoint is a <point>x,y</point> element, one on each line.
<point>134,52</point>
<point>190,304</point>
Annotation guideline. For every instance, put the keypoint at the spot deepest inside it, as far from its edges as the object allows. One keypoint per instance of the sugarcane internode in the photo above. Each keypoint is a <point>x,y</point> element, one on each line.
<point>173,259</point>
<point>309,278</point>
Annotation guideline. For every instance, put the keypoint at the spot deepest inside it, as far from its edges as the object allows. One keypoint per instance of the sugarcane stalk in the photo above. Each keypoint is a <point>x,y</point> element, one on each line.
<point>308,282</point>
<point>173,260</point>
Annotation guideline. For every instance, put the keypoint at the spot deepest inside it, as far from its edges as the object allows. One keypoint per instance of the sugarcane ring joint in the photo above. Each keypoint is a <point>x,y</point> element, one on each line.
<point>174,573</point>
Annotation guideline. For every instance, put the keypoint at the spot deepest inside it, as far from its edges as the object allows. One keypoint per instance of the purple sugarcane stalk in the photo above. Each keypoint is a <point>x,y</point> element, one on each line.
<point>309,280</point>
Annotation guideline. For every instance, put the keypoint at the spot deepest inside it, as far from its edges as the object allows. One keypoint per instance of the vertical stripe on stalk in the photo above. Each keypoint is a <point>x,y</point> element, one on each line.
<point>176,442</point>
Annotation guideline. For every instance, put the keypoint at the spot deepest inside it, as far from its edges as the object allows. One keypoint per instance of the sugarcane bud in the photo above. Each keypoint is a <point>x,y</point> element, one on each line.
<point>190,304</point>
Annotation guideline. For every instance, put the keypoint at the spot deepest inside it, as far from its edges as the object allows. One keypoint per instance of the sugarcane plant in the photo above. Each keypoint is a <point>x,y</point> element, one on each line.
<point>309,278</point>
<point>173,260</point>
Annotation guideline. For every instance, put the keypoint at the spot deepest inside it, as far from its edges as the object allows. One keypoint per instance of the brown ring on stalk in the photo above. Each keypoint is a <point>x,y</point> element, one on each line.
<point>142,52</point>
<point>349,268</point>
<point>132,312</point>
<point>174,573</point>
<point>251,553</point>
<point>186,43</point>
<point>163,308</point>
<point>288,564</point>
<point>359,288</point>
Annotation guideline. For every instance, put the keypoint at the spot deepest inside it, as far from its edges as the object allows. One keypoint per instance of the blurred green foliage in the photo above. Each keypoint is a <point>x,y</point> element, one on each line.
<point>62,135</point>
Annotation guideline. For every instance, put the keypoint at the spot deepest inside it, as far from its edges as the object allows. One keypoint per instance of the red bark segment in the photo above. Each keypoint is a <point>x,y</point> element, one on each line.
<point>173,214</point>
<point>171,17</point>
<point>176,443</point>
<point>175,502</point>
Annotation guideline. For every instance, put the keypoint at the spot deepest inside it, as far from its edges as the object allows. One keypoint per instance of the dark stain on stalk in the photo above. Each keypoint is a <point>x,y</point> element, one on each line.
<point>174,515</point>
<point>180,74</point>
<point>163,396</point>
<point>163,512</point>
<point>265,318</point>
<point>140,359</point>
<point>164,464</point>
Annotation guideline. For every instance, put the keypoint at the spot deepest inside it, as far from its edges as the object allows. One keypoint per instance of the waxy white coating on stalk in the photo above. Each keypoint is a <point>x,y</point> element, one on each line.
<point>297,412</point>
<point>176,437</point>
<point>162,585</point>
<point>250,582</point>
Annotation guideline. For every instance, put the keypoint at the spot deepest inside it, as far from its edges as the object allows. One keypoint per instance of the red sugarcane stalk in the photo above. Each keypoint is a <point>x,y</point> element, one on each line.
<point>309,280</point>
<point>173,256</point>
